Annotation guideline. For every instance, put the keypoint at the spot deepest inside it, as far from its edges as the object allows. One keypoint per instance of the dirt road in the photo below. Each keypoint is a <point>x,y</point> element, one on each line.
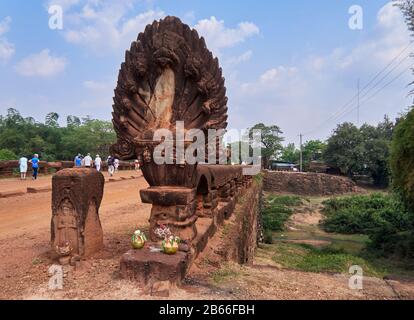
<point>12,184</point>
<point>25,230</point>
<point>32,212</point>
<point>25,260</point>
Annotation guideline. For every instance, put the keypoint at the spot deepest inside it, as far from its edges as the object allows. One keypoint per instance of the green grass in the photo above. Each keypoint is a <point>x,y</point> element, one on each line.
<point>336,253</point>
<point>277,211</point>
<point>350,243</point>
<point>328,259</point>
<point>222,275</point>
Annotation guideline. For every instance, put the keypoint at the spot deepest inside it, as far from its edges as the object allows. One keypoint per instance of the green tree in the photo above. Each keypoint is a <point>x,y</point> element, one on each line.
<point>51,119</point>
<point>290,154</point>
<point>6,154</point>
<point>402,159</point>
<point>25,136</point>
<point>344,149</point>
<point>376,151</point>
<point>313,151</point>
<point>271,141</point>
<point>362,151</point>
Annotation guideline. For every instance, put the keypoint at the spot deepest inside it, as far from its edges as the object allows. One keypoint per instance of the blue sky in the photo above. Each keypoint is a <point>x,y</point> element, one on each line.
<point>290,63</point>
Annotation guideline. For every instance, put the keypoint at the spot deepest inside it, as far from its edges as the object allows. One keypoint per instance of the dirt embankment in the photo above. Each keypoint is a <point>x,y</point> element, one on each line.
<point>308,184</point>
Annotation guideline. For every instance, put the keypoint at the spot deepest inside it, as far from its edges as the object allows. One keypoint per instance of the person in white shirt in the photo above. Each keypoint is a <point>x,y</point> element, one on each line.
<point>23,167</point>
<point>87,161</point>
<point>116,164</point>
<point>98,162</point>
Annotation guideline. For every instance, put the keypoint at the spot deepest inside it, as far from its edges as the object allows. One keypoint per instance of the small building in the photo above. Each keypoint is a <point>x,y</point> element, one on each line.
<point>277,165</point>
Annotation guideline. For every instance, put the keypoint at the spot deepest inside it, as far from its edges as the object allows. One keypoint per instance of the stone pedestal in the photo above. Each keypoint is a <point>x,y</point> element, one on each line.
<point>75,227</point>
<point>146,267</point>
<point>173,207</point>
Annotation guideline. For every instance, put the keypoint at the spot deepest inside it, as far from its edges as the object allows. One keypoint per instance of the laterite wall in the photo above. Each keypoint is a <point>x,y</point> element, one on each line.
<point>312,184</point>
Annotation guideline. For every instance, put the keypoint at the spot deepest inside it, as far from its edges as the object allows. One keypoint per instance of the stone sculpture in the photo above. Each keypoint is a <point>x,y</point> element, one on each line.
<point>168,76</point>
<point>75,228</point>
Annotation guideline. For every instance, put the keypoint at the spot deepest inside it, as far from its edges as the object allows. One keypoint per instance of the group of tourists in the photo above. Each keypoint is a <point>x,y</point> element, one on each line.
<point>24,163</point>
<point>88,162</point>
<point>79,161</point>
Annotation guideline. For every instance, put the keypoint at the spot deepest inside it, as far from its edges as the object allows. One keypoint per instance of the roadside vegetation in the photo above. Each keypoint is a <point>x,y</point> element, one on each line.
<point>276,212</point>
<point>24,136</point>
<point>349,233</point>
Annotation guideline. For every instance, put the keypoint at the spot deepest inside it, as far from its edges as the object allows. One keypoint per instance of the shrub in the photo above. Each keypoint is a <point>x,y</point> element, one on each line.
<point>6,154</point>
<point>402,159</point>
<point>277,211</point>
<point>268,236</point>
<point>382,217</point>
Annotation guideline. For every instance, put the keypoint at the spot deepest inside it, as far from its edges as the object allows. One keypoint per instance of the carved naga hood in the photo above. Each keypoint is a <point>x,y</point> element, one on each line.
<point>168,75</point>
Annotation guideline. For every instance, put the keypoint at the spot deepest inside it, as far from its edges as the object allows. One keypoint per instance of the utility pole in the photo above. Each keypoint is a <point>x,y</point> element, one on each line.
<point>358,105</point>
<point>301,153</point>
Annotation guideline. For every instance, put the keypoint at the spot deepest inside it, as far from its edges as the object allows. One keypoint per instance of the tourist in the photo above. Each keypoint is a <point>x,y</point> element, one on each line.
<point>23,167</point>
<point>111,165</point>
<point>116,164</point>
<point>98,162</point>
<point>137,165</point>
<point>35,165</point>
<point>78,160</point>
<point>87,161</point>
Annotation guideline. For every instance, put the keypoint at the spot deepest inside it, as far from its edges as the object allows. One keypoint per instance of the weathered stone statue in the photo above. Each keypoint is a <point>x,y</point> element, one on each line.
<point>75,228</point>
<point>170,80</point>
<point>168,76</point>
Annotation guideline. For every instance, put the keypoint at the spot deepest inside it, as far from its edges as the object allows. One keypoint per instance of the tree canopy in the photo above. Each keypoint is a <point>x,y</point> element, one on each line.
<point>362,150</point>
<point>402,159</point>
<point>21,136</point>
<point>271,141</point>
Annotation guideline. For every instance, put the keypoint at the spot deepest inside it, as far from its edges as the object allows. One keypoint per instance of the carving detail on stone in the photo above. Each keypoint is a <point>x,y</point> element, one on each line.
<point>75,226</point>
<point>168,75</point>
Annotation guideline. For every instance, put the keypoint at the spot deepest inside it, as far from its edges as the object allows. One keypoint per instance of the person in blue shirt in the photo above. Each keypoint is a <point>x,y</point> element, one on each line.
<point>35,165</point>
<point>78,161</point>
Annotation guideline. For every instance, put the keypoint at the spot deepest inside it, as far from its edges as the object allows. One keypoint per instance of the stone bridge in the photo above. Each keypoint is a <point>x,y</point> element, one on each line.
<point>169,79</point>
<point>7,168</point>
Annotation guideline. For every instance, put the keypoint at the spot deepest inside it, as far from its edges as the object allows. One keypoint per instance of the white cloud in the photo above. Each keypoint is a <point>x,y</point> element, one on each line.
<point>234,61</point>
<point>93,85</point>
<point>300,97</point>
<point>218,36</point>
<point>7,49</point>
<point>5,25</point>
<point>41,64</point>
<point>106,26</point>
<point>65,4</point>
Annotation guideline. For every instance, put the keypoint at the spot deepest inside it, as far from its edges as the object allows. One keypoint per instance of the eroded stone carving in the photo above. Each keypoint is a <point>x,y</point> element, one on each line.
<point>168,76</point>
<point>76,196</point>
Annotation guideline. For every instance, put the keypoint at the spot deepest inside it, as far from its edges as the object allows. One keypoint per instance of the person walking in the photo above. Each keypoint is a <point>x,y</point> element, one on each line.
<point>137,165</point>
<point>23,167</point>
<point>111,165</point>
<point>35,165</point>
<point>78,160</point>
<point>98,162</point>
<point>116,164</point>
<point>87,161</point>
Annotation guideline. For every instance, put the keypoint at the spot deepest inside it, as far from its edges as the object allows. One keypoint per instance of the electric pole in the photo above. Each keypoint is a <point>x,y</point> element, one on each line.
<point>358,105</point>
<point>301,153</point>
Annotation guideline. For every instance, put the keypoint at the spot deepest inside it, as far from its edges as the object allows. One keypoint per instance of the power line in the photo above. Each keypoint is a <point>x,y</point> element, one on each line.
<point>377,92</point>
<point>346,106</point>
